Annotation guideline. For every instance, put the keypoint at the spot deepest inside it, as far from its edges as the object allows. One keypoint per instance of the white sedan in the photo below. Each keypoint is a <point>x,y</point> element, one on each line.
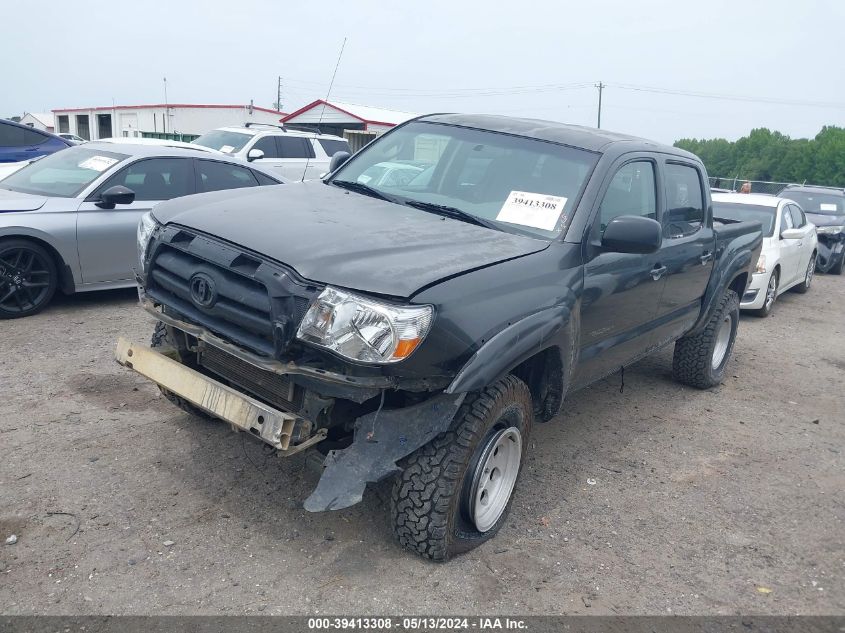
<point>790,246</point>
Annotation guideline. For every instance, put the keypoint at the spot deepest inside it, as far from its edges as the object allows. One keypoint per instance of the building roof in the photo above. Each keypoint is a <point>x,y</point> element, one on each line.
<point>365,114</point>
<point>45,118</point>
<point>171,106</point>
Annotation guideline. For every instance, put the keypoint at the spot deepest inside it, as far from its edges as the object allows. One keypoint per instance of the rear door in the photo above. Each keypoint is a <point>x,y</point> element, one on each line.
<point>688,245</point>
<point>790,250</point>
<point>621,290</point>
<point>213,175</point>
<point>805,244</point>
<point>107,237</point>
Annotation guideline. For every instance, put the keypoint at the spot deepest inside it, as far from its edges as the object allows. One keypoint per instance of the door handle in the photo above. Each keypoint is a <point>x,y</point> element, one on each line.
<point>706,257</point>
<point>657,272</point>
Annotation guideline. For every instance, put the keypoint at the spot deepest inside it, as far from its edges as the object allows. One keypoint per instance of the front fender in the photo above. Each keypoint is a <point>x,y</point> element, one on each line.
<point>69,265</point>
<point>515,344</point>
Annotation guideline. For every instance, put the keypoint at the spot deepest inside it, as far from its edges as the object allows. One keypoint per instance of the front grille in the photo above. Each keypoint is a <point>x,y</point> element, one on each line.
<point>274,389</point>
<point>252,302</point>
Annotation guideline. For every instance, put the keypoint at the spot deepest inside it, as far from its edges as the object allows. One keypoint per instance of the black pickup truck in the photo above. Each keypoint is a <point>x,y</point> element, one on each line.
<point>414,312</point>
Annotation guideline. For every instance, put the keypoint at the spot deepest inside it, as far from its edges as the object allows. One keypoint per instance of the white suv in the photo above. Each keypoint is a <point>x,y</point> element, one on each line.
<point>292,154</point>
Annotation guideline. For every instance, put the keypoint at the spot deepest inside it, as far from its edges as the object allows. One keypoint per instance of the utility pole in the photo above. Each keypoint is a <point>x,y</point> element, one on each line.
<point>279,95</point>
<point>166,106</point>
<point>601,87</point>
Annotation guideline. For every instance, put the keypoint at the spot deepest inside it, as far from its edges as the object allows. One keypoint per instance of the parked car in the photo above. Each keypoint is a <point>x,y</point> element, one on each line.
<point>292,154</point>
<point>420,330</point>
<point>788,258</point>
<point>158,142</point>
<point>393,173</point>
<point>73,138</point>
<point>21,143</point>
<point>825,207</point>
<point>69,220</point>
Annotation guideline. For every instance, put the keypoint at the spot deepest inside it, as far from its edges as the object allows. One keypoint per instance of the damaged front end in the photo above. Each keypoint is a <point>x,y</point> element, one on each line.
<point>831,251</point>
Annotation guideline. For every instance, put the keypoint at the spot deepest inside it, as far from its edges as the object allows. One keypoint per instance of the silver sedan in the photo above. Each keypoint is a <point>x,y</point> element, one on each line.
<point>68,221</point>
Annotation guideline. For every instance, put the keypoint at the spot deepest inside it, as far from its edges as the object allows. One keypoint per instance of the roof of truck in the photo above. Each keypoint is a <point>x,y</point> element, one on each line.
<point>588,138</point>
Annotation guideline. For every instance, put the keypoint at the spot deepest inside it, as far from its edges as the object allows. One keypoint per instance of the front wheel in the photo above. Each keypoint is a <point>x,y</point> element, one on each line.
<point>28,278</point>
<point>454,492</point>
<point>700,360</point>
<point>836,269</point>
<point>771,296</point>
<point>808,276</point>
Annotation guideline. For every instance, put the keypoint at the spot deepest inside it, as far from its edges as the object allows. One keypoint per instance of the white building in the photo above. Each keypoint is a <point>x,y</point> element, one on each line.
<point>158,120</point>
<point>39,120</point>
<point>335,117</point>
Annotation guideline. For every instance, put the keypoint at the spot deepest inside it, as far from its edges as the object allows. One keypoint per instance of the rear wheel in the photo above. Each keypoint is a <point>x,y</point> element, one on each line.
<point>836,269</point>
<point>808,276</point>
<point>28,278</point>
<point>454,492</point>
<point>771,295</point>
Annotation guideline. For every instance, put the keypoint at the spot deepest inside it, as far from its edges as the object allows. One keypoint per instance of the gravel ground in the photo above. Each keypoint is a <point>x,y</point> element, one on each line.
<point>659,499</point>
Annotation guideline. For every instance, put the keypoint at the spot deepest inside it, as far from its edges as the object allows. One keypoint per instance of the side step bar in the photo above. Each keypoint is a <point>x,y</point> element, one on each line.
<point>240,410</point>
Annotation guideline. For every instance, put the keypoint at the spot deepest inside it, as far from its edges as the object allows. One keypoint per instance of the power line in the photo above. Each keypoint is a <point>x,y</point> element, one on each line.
<point>726,97</point>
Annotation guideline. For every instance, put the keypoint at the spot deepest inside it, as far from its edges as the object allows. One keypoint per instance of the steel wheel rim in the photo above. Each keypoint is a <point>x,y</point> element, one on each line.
<point>723,339</point>
<point>811,267</point>
<point>494,478</point>
<point>24,279</point>
<point>771,289</point>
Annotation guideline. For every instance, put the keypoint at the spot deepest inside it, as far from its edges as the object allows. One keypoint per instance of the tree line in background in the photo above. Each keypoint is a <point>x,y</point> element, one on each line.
<point>767,155</point>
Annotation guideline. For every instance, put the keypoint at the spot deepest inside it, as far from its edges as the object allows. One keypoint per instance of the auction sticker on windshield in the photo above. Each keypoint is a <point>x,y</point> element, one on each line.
<point>98,163</point>
<point>537,210</point>
<point>826,206</point>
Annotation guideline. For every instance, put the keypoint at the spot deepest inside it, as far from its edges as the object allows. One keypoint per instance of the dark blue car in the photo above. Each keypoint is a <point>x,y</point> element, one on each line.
<point>21,142</point>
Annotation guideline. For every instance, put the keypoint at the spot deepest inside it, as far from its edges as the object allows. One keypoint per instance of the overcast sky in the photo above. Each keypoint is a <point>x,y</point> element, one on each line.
<point>519,58</point>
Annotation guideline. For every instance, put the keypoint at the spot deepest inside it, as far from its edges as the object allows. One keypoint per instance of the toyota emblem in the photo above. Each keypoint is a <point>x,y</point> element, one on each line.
<point>203,290</point>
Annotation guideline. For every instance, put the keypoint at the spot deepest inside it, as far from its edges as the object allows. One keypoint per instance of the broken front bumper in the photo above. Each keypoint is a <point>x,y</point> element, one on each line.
<point>241,411</point>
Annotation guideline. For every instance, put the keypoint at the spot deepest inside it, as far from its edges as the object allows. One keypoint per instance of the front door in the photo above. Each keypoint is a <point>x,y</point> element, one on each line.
<point>790,251</point>
<point>621,290</point>
<point>688,250</point>
<point>107,238</point>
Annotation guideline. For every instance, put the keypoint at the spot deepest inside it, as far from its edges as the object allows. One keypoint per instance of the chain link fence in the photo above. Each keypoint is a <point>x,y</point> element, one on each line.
<point>757,186</point>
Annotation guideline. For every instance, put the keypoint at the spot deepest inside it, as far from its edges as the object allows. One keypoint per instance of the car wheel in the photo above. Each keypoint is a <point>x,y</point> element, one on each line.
<point>836,269</point>
<point>700,360</point>
<point>808,276</point>
<point>771,295</point>
<point>454,493</point>
<point>28,278</point>
<point>161,339</point>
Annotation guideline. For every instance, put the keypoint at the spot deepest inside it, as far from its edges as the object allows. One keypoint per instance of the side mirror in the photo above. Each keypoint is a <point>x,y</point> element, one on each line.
<point>338,159</point>
<point>115,195</point>
<point>254,154</point>
<point>632,234</point>
<point>791,234</point>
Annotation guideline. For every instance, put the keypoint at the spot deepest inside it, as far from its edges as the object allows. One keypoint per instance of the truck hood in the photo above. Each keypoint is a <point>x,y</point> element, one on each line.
<point>342,238</point>
<point>14,201</point>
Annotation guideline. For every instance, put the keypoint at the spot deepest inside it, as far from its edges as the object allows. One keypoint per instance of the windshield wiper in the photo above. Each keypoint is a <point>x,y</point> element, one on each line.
<point>360,187</point>
<point>452,212</point>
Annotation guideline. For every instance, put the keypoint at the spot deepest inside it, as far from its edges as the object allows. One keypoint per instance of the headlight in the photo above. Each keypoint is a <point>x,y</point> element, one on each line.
<point>145,232</point>
<point>362,329</point>
<point>830,230</point>
<point>761,264</point>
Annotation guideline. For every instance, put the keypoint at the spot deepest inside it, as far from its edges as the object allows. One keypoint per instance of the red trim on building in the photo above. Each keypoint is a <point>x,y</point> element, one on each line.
<point>168,105</point>
<point>318,102</point>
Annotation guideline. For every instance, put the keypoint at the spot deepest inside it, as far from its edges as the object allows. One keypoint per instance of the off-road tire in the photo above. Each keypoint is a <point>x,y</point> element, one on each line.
<point>429,503</point>
<point>692,363</point>
<point>804,286</point>
<point>766,311</point>
<point>161,338</point>
<point>50,277</point>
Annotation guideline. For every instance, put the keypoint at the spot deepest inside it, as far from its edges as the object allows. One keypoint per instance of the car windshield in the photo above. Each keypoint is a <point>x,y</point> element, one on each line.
<point>821,203</point>
<point>223,140</point>
<point>744,212</point>
<point>512,183</point>
<point>63,174</point>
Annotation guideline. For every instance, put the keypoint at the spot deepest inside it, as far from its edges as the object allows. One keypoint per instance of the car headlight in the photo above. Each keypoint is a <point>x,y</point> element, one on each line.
<point>146,227</point>
<point>362,329</point>
<point>761,265</point>
<point>830,230</point>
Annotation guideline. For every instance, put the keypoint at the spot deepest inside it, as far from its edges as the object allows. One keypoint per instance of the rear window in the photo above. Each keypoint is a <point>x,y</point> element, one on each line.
<point>821,203</point>
<point>223,140</point>
<point>332,147</point>
<point>745,212</point>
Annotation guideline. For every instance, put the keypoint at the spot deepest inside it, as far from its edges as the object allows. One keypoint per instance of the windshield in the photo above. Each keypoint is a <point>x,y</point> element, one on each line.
<point>63,174</point>
<point>745,212</point>
<point>224,141</point>
<point>517,184</point>
<point>821,203</point>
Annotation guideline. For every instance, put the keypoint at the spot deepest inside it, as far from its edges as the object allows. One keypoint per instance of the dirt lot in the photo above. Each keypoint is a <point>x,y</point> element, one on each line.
<point>658,499</point>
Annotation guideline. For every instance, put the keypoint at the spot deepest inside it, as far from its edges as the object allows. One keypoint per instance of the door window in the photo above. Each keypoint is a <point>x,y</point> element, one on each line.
<point>786,219</point>
<point>294,147</point>
<point>631,192</point>
<point>268,146</point>
<point>798,219</point>
<point>684,201</point>
<point>216,176</point>
<point>14,136</point>
<point>155,178</point>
